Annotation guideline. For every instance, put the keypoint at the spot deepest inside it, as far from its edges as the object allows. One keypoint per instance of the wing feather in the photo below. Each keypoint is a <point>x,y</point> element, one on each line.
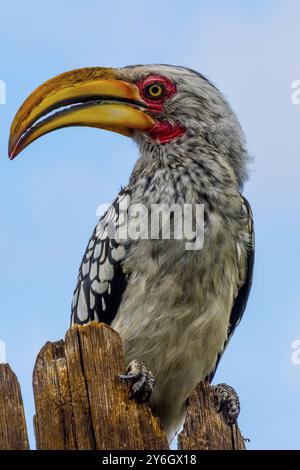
<point>246,276</point>
<point>101,280</point>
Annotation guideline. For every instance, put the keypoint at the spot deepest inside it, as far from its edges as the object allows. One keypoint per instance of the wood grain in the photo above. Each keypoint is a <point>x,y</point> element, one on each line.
<point>81,403</point>
<point>13,432</point>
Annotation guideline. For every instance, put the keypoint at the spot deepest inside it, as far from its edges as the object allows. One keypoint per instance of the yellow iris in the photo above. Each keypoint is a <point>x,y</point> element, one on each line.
<point>155,90</point>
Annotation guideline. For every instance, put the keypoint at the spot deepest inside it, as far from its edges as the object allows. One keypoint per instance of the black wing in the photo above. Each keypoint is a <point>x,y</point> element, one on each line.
<point>240,302</point>
<point>101,280</point>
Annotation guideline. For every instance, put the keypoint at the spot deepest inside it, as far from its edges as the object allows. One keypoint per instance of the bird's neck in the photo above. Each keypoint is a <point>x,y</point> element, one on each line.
<point>163,175</point>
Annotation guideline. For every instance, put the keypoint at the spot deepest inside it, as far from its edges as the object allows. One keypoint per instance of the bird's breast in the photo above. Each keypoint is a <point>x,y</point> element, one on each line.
<point>175,311</point>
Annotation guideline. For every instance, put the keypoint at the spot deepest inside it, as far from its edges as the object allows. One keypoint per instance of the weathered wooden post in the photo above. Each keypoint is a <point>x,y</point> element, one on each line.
<point>81,403</point>
<point>204,428</point>
<point>13,432</point>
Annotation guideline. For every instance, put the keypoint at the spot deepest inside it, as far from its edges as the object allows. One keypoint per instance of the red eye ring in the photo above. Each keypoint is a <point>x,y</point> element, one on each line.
<point>155,89</point>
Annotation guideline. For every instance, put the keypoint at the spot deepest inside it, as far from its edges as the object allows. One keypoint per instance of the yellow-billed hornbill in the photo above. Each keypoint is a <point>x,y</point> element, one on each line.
<point>174,308</point>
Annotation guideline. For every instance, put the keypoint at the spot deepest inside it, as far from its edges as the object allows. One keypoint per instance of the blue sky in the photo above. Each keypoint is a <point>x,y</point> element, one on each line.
<point>49,195</point>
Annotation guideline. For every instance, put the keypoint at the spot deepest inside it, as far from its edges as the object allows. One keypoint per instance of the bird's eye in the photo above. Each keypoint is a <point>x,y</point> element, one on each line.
<point>154,91</point>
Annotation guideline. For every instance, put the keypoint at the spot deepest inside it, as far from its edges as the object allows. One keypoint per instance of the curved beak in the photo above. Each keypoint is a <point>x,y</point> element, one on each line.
<point>94,97</point>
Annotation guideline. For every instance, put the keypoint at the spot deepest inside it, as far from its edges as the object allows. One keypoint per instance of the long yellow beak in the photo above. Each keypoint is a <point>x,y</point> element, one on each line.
<point>94,97</point>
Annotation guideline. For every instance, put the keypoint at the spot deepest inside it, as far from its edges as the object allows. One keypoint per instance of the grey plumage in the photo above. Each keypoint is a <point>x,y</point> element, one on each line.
<point>176,309</point>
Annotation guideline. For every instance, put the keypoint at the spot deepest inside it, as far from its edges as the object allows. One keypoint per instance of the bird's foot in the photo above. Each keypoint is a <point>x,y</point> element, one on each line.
<point>141,379</point>
<point>227,402</point>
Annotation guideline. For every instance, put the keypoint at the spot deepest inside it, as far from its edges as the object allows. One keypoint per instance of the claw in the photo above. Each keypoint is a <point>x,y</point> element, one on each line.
<point>127,376</point>
<point>143,380</point>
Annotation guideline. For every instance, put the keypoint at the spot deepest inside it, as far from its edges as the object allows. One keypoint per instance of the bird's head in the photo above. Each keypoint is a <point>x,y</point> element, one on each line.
<point>159,106</point>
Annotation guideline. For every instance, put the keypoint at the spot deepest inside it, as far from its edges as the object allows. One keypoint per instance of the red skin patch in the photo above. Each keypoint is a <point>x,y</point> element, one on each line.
<point>163,132</point>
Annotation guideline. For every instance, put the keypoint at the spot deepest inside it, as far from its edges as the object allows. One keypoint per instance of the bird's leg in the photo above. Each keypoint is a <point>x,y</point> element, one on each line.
<point>141,379</point>
<point>227,401</point>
